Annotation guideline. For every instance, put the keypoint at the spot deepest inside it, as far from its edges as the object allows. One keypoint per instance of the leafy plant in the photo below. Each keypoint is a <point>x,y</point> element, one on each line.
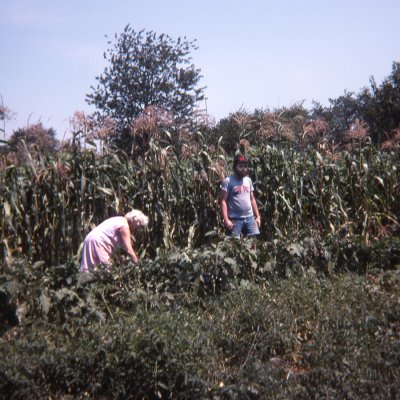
<point>301,336</point>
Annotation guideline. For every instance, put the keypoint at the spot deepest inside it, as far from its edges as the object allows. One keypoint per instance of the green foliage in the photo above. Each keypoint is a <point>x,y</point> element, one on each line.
<point>147,70</point>
<point>49,204</point>
<point>36,138</point>
<point>381,105</point>
<point>378,106</point>
<point>173,330</point>
<point>341,113</point>
<point>282,126</point>
<point>308,310</point>
<point>355,194</point>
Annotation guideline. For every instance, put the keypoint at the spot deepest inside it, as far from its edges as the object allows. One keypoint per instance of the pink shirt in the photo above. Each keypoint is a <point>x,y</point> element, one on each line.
<point>101,242</point>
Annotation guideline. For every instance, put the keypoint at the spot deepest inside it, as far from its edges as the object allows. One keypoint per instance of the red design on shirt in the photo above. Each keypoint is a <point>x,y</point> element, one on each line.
<point>241,189</point>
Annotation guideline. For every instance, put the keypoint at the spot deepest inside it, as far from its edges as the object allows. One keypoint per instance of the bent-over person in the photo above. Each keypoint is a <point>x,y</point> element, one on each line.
<point>113,233</point>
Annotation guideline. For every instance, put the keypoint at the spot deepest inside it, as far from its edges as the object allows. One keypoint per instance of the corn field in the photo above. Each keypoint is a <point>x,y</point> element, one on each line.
<point>200,317</point>
<point>49,203</point>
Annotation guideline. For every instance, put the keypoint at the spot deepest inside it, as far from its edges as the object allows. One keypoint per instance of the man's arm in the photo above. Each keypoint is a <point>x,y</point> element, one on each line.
<point>224,210</point>
<point>126,242</point>
<point>255,209</point>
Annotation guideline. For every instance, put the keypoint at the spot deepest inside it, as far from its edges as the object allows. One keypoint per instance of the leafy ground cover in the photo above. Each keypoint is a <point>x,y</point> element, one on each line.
<point>219,322</point>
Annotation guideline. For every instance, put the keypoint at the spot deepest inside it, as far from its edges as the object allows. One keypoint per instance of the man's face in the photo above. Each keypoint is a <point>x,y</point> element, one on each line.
<point>241,169</point>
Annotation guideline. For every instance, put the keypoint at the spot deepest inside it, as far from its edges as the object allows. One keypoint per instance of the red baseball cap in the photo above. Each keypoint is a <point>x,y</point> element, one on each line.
<point>239,158</point>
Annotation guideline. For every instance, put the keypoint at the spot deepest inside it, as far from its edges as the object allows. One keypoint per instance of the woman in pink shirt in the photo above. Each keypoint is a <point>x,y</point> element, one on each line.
<point>114,232</point>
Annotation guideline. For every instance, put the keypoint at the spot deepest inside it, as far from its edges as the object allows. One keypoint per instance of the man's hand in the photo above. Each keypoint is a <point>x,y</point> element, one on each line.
<point>229,224</point>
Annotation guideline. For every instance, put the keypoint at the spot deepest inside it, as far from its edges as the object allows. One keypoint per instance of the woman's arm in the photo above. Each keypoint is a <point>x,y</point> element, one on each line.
<point>126,242</point>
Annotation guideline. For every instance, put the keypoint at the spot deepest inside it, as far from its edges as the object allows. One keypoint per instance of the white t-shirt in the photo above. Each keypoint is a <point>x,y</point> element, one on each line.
<point>239,204</point>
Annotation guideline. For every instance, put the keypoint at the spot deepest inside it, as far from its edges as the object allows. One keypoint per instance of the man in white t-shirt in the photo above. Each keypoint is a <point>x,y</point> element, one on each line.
<point>238,205</point>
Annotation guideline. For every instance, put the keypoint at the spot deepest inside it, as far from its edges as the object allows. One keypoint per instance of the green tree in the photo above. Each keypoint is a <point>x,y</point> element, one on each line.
<point>260,127</point>
<point>341,113</point>
<point>378,107</point>
<point>146,70</point>
<point>381,105</point>
<point>37,138</point>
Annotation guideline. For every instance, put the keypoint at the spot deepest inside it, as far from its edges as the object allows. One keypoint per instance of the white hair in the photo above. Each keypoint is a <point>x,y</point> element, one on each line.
<point>138,217</point>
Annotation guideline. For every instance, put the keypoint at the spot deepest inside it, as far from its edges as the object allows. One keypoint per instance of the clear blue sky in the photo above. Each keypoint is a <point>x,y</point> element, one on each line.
<point>252,54</point>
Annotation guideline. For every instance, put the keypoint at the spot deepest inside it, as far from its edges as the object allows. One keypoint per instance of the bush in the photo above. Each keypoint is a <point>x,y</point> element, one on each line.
<point>216,322</point>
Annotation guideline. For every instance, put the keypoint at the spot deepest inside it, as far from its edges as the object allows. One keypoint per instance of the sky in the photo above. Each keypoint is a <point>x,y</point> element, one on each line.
<point>253,54</point>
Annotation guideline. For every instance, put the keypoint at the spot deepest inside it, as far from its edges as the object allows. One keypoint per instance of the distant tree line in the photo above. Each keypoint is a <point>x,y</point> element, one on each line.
<point>372,114</point>
<point>149,93</point>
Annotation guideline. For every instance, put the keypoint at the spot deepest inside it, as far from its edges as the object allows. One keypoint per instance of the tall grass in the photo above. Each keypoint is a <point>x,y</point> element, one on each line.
<point>48,204</point>
<point>355,194</point>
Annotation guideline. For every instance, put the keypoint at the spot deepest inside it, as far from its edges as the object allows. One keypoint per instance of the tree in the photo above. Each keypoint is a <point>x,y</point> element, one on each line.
<point>381,105</point>
<point>341,113</point>
<point>37,139</point>
<point>378,107</point>
<point>146,70</point>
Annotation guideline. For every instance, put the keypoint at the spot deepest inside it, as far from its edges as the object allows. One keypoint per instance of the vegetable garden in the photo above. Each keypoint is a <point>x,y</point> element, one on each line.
<point>312,312</point>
